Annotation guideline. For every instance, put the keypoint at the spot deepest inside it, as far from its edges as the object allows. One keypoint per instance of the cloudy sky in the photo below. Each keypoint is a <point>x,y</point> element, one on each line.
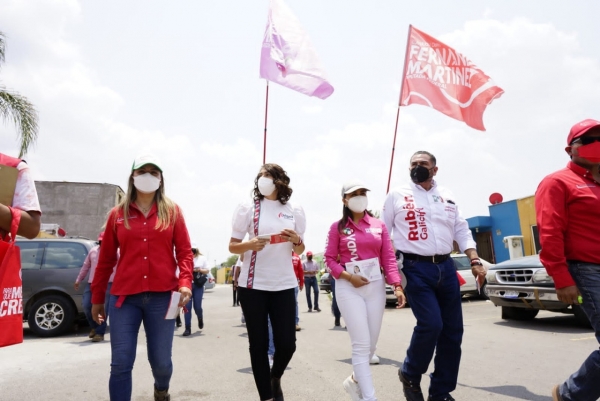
<point>114,79</point>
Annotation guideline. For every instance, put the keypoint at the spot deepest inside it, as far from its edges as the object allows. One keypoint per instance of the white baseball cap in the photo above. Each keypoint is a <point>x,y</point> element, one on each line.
<point>352,186</point>
<point>142,160</point>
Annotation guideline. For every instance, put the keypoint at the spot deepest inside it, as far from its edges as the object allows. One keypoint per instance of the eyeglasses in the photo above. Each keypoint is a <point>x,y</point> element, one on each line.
<point>586,140</point>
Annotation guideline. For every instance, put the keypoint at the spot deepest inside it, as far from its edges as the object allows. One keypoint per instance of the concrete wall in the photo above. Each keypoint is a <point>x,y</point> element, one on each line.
<point>79,208</point>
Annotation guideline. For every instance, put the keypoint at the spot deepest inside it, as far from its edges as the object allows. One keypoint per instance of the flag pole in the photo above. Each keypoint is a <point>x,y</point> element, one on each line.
<point>265,133</point>
<point>398,112</point>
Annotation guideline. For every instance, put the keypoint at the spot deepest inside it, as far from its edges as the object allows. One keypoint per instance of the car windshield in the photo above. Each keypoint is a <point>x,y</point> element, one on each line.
<point>462,262</point>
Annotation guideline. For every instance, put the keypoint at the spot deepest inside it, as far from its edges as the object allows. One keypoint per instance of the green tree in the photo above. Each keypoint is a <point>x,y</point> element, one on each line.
<point>231,260</point>
<point>17,108</point>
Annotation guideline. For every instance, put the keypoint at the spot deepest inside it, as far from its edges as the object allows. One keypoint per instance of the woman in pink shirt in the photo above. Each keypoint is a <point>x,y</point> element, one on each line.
<point>364,246</point>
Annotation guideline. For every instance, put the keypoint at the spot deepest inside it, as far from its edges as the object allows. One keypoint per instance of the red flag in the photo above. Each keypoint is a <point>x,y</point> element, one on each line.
<point>437,76</point>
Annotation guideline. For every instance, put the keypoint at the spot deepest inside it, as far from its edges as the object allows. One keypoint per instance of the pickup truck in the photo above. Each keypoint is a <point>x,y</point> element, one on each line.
<point>522,287</point>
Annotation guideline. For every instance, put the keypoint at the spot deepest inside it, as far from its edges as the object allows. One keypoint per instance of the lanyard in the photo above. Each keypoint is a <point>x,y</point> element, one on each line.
<point>256,217</point>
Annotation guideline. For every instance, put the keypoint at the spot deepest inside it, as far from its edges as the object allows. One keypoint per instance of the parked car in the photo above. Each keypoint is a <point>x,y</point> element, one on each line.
<point>463,267</point>
<point>49,268</point>
<point>325,283</point>
<point>522,287</point>
<point>210,282</point>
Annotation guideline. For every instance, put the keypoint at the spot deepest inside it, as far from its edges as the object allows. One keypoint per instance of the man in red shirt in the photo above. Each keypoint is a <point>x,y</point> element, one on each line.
<point>567,205</point>
<point>297,262</point>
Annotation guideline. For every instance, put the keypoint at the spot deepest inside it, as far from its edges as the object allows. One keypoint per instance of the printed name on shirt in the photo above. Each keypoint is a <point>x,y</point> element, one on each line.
<point>285,216</point>
<point>351,244</point>
<point>373,230</point>
<point>415,217</point>
<point>586,186</point>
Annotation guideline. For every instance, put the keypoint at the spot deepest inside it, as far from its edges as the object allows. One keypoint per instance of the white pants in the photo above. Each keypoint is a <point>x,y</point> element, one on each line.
<point>362,309</point>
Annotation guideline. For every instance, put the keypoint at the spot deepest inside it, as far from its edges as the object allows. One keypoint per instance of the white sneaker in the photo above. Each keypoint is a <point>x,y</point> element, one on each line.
<point>352,388</point>
<point>270,360</point>
<point>374,360</point>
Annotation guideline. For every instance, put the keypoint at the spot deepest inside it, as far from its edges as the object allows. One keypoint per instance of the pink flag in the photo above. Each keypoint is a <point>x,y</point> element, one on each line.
<point>438,76</point>
<point>287,56</point>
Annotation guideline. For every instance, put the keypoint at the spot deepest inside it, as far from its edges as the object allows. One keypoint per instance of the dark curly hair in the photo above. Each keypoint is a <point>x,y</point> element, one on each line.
<point>280,179</point>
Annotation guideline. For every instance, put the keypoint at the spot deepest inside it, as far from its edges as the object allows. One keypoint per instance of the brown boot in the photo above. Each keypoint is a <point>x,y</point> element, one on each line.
<point>161,395</point>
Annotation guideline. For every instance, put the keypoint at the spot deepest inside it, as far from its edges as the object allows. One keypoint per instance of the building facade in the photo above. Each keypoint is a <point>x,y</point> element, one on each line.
<point>514,219</point>
<point>78,208</point>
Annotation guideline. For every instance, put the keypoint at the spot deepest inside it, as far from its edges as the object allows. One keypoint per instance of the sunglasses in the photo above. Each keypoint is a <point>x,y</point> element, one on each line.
<point>586,140</point>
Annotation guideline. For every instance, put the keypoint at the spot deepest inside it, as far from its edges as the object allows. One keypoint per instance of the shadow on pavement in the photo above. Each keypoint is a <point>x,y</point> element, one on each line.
<point>519,392</point>
<point>554,324</point>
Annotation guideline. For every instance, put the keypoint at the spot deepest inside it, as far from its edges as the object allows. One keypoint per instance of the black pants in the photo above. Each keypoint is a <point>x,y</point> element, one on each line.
<point>280,306</point>
<point>236,298</point>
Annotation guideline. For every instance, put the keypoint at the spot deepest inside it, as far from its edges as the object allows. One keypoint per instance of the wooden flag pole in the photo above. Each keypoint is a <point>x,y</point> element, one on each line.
<point>265,134</point>
<point>398,112</point>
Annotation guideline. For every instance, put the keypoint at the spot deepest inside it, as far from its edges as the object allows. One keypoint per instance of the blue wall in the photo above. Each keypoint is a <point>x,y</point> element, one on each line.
<point>505,221</point>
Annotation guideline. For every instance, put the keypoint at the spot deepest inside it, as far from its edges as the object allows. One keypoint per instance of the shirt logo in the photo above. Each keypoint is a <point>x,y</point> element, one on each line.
<point>373,230</point>
<point>437,198</point>
<point>285,216</point>
<point>347,231</point>
<point>415,217</point>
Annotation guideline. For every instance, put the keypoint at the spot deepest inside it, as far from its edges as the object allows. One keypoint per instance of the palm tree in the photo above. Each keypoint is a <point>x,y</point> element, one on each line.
<point>17,108</point>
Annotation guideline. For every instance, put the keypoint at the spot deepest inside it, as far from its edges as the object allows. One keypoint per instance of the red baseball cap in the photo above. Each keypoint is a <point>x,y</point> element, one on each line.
<point>581,128</point>
<point>309,253</point>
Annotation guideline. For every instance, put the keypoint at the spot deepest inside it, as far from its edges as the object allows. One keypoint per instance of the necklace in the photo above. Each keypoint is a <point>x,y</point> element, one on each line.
<point>144,209</point>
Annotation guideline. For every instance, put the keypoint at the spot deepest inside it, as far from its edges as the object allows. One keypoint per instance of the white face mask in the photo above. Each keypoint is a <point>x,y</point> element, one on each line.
<point>146,183</point>
<point>266,186</point>
<point>358,204</point>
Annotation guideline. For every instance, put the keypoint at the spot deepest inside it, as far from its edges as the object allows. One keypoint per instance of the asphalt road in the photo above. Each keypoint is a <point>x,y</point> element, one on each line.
<point>502,360</point>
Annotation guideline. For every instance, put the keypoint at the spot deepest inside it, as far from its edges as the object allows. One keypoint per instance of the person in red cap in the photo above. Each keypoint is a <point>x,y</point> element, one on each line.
<point>89,265</point>
<point>310,280</point>
<point>567,204</point>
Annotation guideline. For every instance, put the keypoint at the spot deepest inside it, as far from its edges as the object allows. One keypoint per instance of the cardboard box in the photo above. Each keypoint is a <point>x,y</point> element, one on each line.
<point>8,183</point>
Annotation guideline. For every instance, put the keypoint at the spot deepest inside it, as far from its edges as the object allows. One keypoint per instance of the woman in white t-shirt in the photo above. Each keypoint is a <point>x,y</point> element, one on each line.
<point>267,280</point>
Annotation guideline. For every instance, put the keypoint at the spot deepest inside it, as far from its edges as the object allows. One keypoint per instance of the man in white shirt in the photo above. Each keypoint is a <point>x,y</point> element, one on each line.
<point>310,281</point>
<point>424,222</point>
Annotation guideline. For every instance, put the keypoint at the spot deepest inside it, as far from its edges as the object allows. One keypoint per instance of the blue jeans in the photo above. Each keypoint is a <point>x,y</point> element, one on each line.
<point>583,384</point>
<point>311,282</point>
<point>434,296</point>
<point>271,350</point>
<point>334,306</point>
<point>149,308</point>
<point>297,315</point>
<point>197,294</point>
<point>87,308</point>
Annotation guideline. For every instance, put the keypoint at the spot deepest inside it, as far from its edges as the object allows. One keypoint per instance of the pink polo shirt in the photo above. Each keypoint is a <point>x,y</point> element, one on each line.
<point>365,240</point>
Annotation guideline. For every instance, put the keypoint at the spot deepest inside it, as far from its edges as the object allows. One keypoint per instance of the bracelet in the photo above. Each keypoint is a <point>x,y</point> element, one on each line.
<point>299,242</point>
<point>476,262</point>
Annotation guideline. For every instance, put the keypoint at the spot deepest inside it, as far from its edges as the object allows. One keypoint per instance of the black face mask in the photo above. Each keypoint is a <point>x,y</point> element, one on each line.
<point>419,174</point>
<point>309,258</point>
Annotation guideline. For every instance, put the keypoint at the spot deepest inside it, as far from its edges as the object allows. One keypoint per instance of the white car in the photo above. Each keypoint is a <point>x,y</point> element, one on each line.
<point>463,266</point>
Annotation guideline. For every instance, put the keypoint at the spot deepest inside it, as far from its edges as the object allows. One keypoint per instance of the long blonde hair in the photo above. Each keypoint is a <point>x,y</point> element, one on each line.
<point>168,211</point>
